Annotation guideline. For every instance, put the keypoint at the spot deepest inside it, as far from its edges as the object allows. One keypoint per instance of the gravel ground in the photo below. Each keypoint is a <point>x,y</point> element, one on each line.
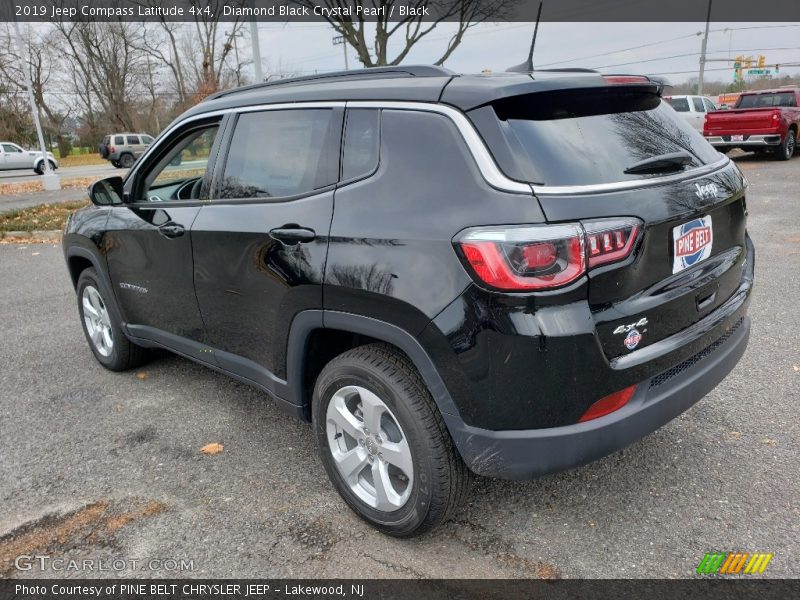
<point>98,465</point>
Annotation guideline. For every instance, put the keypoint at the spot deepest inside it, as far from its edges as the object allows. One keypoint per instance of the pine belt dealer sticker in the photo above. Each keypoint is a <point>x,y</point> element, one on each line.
<point>691,243</point>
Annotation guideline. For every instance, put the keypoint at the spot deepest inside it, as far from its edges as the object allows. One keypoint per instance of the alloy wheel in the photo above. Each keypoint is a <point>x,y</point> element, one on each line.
<point>369,448</point>
<point>97,321</point>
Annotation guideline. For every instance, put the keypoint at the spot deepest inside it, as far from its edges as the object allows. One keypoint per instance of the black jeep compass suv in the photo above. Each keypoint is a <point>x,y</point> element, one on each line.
<point>507,275</point>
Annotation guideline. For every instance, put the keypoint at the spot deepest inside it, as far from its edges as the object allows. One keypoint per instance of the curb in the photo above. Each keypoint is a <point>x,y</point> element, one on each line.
<point>50,235</point>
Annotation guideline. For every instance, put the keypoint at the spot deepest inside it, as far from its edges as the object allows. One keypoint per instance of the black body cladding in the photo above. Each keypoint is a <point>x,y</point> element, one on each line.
<point>264,277</point>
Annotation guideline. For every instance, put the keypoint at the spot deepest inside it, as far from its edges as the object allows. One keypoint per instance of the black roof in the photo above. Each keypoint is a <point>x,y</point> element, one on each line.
<point>402,83</point>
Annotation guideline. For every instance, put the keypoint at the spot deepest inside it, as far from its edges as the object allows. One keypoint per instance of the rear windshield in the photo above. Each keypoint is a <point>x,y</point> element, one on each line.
<point>679,104</point>
<point>767,100</point>
<point>586,137</point>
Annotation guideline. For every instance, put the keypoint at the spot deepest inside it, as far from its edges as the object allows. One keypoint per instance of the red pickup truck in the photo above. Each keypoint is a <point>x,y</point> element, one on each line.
<point>764,121</point>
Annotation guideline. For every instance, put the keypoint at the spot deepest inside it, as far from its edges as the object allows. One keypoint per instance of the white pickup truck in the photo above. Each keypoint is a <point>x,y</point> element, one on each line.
<point>692,109</point>
<point>14,157</point>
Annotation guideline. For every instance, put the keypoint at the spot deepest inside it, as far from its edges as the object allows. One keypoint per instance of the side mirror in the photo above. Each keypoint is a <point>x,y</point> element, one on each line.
<point>106,192</point>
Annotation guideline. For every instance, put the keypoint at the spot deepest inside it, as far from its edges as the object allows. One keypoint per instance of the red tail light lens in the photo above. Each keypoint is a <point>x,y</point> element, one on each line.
<point>111,149</point>
<point>529,258</point>
<point>608,404</point>
<point>525,258</point>
<point>610,241</point>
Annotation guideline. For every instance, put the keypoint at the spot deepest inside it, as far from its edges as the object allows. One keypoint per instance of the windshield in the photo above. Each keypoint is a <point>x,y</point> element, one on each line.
<point>767,100</point>
<point>585,137</point>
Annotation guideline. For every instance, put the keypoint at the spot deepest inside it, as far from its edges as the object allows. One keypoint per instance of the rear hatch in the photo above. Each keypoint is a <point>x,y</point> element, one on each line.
<point>578,147</point>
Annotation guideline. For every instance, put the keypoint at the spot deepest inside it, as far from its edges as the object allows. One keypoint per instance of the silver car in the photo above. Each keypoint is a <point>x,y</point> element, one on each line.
<point>14,157</point>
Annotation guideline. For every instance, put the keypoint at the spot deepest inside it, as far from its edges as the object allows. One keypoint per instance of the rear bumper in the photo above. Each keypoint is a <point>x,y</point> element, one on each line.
<point>529,453</point>
<point>771,139</point>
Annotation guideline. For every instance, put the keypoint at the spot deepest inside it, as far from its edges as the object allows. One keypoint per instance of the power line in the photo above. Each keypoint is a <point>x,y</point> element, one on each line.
<point>648,60</point>
<point>691,35</point>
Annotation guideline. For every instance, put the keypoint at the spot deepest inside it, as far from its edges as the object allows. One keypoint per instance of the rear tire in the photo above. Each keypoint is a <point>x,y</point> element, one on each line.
<point>786,150</point>
<point>126,161</point>
<point>101,326</point>
<point>379,385</point>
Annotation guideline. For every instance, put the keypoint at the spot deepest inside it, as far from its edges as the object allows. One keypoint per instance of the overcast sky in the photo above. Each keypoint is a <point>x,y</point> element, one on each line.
<point>306,47</point>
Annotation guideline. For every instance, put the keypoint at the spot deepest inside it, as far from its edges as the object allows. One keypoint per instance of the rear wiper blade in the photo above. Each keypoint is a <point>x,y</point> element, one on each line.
<point>664,162</point>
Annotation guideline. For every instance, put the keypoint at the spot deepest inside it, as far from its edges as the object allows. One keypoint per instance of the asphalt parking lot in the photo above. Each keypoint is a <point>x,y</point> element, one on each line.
<point>101,465</point>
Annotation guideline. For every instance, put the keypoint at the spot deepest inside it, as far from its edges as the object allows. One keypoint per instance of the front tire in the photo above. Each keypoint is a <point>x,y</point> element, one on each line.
<point>101,326</point>
<point>39,170</point>
<point>384,443</point>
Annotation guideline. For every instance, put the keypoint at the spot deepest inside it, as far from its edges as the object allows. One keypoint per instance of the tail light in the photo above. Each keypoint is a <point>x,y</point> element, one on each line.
<point>525,258</point>
<point>608,404</point>
<point>610,241</point>
<point>541,257</point>
<point>111,149</point>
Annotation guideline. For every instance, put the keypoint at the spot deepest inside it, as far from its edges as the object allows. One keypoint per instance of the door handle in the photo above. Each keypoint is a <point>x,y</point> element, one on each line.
<point>292,234</point>
<point>171,230</point>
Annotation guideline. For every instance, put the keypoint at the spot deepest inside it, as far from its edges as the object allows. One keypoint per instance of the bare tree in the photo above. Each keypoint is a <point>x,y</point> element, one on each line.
<point>109,65</point>
<point>44,63</point>
<point>410,29</point>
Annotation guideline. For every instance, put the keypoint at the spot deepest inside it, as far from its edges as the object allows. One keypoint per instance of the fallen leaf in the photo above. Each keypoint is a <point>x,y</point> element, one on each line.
<point>35,253</point>
<point>735,434</point>
<point>769,442</point>
<point>213,448</point>
<point>796,368</point>
<point>142,375</point>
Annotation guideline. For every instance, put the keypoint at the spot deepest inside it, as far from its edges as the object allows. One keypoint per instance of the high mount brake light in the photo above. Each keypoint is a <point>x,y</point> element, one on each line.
<point>540,257</point>
<point>623,79</point>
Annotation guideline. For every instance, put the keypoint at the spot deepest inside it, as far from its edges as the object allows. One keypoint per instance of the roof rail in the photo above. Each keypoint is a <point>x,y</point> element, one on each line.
<point>397,71</point>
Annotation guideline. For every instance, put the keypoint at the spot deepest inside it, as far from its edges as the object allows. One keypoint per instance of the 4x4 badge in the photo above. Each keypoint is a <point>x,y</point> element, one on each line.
<point>630,327</point>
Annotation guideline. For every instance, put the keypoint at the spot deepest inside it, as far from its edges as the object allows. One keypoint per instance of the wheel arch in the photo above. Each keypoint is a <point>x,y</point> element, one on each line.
<point>80,259</point>
<point>304,360</point>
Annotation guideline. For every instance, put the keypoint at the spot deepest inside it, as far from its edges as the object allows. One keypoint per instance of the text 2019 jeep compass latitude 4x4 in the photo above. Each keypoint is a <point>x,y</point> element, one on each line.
<point>506,274</point>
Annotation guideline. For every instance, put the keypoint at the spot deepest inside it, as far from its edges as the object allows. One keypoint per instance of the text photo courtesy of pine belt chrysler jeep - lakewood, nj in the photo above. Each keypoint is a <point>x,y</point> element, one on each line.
<point>431,268</point>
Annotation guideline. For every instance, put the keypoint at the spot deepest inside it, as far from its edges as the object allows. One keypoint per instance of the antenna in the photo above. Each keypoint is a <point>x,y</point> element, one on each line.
<point>533,40</point>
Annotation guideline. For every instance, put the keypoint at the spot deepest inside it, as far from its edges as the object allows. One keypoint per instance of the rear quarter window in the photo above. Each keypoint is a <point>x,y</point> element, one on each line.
<point>584,137</point>
<point>679,104</point>
<point>360,152</point>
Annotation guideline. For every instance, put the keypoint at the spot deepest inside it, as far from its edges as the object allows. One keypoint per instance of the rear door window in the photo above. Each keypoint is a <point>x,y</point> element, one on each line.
<point>581,137</point>
<point>679,104</point>
<point>133,140</point>
<point>119,140</point>
<point>280,153</point>
<point>698,105</point>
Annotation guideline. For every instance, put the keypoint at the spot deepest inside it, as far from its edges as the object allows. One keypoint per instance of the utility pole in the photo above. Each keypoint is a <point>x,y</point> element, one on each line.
<point>259,75</point>
<point>339,39</point>
<point>50,181</point>
<point>703,53</point>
